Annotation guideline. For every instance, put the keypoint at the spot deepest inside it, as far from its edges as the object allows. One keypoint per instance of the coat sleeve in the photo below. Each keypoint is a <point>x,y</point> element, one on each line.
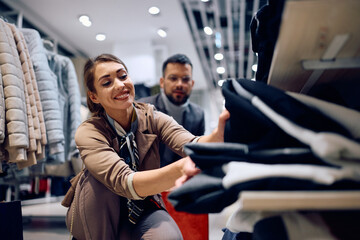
<point>102,161</point>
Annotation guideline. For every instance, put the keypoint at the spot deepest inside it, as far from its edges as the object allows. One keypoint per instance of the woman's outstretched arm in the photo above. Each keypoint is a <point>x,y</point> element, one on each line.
<point>151,182</point>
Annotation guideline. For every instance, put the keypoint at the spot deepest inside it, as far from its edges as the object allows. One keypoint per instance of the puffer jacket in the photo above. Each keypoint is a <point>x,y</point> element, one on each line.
<point>2,111</point>
<point>36,149</point>
<point>31,156</point>
<point>48,89</point>
<point>43,139</point>
<point>17,139</point>
<point>70,98</point>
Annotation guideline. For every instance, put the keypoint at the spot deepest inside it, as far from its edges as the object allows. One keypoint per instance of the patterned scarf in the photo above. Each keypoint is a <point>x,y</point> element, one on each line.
<point>130,154</point>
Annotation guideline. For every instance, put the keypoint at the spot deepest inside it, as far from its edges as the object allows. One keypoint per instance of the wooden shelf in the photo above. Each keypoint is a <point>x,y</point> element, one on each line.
<point>299,200</point>
<point>316,30</point>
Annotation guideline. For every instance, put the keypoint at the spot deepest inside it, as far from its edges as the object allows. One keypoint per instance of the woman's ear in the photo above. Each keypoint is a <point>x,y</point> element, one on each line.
<point>93,97</point>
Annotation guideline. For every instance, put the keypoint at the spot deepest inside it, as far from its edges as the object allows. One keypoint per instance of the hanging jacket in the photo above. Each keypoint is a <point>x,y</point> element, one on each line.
<point>69,99</point>
<point>17,139</point>
<point>47,86</point>
<point>2,111</point>
<point>32,118</point>
<point>33,93</point>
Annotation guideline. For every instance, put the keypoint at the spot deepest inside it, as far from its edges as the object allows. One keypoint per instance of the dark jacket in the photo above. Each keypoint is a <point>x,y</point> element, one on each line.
<point>193,121</point>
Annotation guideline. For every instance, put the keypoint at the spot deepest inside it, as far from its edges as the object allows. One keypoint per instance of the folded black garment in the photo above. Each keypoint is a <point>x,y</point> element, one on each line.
<point>294,110</point>
<point>248,125</point>
<point>271,228</point>
<point>208,155</point>
<point>204,193</point>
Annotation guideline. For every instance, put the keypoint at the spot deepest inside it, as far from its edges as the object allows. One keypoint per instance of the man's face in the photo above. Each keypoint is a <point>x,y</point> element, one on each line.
<point>177,82</point>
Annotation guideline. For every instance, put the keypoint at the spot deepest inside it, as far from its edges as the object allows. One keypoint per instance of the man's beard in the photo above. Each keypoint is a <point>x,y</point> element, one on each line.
<point>176,101</point>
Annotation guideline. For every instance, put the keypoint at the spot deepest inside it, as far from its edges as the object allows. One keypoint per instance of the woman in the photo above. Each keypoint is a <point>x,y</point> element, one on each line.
<point>117,195</point>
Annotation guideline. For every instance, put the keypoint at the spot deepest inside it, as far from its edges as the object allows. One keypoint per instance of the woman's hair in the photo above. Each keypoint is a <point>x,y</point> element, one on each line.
<point>89,71</point>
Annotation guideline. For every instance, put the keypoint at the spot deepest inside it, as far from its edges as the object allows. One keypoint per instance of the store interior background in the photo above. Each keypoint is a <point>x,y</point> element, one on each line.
<point>131,34</point>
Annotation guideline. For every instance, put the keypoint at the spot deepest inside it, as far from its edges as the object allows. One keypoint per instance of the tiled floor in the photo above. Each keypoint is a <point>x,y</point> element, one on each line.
<point>45,229</point>
<point>46,221</point>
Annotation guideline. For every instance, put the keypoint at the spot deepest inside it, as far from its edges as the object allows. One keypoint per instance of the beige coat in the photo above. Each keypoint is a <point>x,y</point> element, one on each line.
<point>98,146</point>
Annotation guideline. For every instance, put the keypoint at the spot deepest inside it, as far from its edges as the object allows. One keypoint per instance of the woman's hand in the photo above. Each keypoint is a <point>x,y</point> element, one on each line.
<point>189,170</point>
<point>218,134</point>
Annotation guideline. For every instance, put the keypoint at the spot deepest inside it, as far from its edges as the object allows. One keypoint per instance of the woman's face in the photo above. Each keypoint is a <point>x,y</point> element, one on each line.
<point>114,88</point>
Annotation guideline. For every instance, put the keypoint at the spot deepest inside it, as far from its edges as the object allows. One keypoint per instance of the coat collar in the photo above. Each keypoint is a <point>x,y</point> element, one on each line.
<point>144,134</point>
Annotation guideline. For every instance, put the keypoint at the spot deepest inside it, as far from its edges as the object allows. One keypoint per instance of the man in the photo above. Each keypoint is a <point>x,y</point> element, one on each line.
<point>176,85</point>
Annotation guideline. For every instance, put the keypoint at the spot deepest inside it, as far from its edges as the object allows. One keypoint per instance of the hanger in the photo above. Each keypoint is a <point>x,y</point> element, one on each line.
<point>50,45</point>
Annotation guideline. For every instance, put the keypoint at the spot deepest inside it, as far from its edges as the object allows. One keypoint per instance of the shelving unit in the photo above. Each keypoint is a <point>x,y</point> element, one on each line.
<point>299,200</point>
<point>318,42</point>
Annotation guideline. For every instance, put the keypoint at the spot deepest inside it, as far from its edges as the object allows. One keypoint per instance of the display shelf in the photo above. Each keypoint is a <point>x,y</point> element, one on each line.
<point>299,200</point>
<point>318,42</point>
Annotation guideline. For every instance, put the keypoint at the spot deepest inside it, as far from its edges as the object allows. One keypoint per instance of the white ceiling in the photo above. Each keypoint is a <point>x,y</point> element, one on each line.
<point>125,23</point>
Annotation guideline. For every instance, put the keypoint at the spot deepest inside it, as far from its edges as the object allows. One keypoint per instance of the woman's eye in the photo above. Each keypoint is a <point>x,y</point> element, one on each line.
<point>105,83</point>
<point>123,77</point>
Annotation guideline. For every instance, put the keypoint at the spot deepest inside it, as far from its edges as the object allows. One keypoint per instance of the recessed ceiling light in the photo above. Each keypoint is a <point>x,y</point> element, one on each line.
<point>85,20</point>
<point>220,70</point>
<point>154,10</point>
<point>218,56</point>
<point>208,30</point>
<point>162,32</point>
<point>204,0</point>
<point>221,82</point>
<point>100,37</point>
<point>254,67</point>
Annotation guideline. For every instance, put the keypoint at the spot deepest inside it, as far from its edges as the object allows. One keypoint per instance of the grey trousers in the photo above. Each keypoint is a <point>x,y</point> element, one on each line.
<point>99,214</point>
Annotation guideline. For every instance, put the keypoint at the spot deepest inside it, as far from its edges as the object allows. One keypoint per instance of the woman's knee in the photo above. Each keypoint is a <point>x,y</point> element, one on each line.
<point>158,225</point>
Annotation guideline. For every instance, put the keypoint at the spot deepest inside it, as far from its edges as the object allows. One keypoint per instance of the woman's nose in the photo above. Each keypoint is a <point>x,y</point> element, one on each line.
<point>119,83</point>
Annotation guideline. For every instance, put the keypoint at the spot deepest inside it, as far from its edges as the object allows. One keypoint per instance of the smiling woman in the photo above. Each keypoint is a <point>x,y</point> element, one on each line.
<point>117,195</point>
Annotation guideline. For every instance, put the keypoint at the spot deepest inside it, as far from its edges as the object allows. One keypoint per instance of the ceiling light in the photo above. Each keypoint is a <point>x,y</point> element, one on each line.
<point>100,37</point>
<point>162,32</point>
<point>208,30</point>
<point>220,70</point>
<point>154,10</point>
<point>221,82</point>
<point>218,56</point>
<point>85,20</point>
<point>204,0</point>
<point>254,67</point>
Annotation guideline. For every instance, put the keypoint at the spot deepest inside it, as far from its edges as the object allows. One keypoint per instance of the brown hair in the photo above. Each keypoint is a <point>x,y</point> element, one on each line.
<point>89,70</point>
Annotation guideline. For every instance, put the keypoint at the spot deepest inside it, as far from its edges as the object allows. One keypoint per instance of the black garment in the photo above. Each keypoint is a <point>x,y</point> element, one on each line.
<point>250,126</point>
<point>209,155</point>
<point>271,228</point>
<point>264,29</point>
<point>193,121</point>
<point>11,225</point>
<point>204,193</point>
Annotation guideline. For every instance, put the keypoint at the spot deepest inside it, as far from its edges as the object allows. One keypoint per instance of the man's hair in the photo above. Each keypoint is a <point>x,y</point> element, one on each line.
<point>177,58</point>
